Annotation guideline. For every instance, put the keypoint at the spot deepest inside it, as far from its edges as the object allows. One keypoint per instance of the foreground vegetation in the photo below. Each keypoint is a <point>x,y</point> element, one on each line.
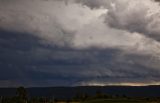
<point>121,101</point>
<point>99,97</point>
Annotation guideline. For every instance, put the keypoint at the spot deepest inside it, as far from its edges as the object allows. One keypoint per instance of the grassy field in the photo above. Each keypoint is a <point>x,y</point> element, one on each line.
<point>119,101</point>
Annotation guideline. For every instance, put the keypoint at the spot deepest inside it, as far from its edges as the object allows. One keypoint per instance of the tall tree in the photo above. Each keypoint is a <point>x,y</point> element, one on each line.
<point>22,94</point>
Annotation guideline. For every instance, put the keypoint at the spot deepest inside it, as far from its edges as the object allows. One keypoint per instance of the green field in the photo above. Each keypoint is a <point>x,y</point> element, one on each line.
<point>117,101</point>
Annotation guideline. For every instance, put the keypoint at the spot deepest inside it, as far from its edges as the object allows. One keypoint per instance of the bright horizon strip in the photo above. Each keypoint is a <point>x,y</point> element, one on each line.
<point>121,84</point>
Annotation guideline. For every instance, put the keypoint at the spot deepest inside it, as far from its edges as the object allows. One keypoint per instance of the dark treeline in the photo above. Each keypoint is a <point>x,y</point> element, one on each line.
<point>70,92</point>
<point>22,96</point>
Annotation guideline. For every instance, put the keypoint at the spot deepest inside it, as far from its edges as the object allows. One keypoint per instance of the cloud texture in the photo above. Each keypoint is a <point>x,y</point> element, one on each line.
<point>79,42</point>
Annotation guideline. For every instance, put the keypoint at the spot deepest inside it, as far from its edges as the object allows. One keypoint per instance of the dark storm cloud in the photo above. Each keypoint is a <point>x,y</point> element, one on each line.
<point>20,54</point>
<point>25,61</point>
<point>48,43</point>
<point>15,48</point>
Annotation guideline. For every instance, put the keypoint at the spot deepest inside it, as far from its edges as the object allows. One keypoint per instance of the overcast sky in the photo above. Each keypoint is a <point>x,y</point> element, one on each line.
<point>79,42</point>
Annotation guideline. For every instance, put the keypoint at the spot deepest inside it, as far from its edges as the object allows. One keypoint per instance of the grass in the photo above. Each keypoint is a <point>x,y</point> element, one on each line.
<point>116,101</point>
<point>65,102</point>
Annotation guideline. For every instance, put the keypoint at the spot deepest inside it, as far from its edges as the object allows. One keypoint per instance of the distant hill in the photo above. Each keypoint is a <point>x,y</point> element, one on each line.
<point>69,92</point>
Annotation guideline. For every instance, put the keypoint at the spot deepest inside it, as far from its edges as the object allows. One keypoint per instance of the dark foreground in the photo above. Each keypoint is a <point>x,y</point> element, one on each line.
<point>70,92</point>
<point>122,101</point>
<point>88,101</point>
<point>108,94</point>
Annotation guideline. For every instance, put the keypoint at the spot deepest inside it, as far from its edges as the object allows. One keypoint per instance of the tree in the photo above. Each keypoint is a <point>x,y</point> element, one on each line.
<point>1,98</point>
<point>22,94</point>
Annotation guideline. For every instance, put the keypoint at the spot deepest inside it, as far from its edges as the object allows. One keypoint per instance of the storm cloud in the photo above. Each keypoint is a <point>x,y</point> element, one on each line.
<point>79,42</point>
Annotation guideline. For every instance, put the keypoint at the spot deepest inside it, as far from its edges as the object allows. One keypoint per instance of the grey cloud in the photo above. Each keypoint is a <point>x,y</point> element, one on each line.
<point>131,16</point>
<point>134,19</point>
<point>94,3</point>
<point>24,16</point>
<point>157,0</point>
<point>36,45</point>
